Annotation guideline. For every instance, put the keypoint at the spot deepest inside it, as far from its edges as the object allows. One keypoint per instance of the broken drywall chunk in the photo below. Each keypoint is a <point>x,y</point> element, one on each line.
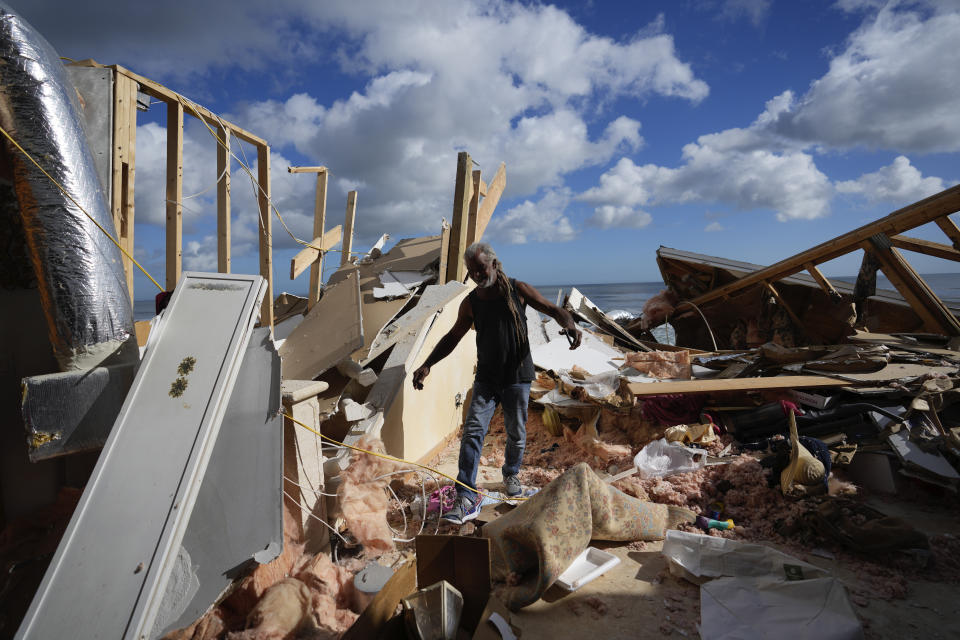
<point>351,369</point>
<point>353,410</point>
<point>661,364</point>
<point>398,284</point>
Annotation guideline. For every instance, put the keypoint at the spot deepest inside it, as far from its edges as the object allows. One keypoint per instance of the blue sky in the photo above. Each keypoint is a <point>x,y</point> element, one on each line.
<point>748,129</point>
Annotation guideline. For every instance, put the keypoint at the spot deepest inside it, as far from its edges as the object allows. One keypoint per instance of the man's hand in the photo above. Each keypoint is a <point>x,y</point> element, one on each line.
<point>574,336</point>
<point>419,375</point>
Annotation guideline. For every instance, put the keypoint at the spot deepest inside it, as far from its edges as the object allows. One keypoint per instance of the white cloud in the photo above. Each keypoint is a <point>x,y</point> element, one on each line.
<point>899,183</point>
<point>891,88</point>
<point>541,221</point>
<point>878,93</point>
<point>526,101</point>
<point>713,227</point>
<point>608,216</point>
<point>787,183</point>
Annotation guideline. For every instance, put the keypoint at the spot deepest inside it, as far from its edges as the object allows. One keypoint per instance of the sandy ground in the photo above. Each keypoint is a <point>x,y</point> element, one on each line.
<point>640,599</point>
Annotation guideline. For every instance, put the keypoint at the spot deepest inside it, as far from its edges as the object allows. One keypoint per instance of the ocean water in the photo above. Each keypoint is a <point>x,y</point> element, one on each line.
<point>628,298</point>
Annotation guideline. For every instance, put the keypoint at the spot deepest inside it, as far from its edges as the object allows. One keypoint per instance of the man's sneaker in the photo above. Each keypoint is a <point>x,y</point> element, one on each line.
<point>463,509</point>
<point>512,486</point>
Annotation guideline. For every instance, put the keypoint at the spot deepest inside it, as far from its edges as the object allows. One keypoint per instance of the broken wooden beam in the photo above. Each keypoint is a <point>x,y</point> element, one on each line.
<point>490,200</point>
<point>951,230</point>
<point>926,247</point>
<point>935,315</point>
<point>822,281</point>
<point>935,207</point>
<point>463,192</point>
<point>348,220</point>
<point>309,256</point>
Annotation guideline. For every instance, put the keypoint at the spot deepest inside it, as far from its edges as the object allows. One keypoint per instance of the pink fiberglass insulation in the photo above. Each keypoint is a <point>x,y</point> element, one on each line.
<point>363,499</point>
<point>283,609</point>
<point>592,446</point>
<point>657,309</point>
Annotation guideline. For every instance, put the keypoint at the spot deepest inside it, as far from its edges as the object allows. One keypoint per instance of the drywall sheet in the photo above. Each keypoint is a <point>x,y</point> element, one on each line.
<point>239,510</point>
<point>331,331</point>
<point>557,355</point>
<point>432,301</point>
<point>110,572</point>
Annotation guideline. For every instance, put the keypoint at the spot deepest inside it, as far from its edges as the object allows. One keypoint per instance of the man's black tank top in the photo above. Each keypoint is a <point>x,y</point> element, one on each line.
<point>500,360</point>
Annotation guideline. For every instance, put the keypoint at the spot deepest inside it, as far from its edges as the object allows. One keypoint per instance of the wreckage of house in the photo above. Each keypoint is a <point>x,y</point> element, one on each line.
<point>270,472</point>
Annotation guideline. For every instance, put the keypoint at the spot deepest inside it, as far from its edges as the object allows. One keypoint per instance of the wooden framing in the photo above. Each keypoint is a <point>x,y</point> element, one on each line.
<point>822,281</point>
<point>474,206</point>
<point>951,230</point>
<point>223,200</point>
<point>783,303</point>
<point>935,315</point>
<point>319,220</point>
<point>925,303</point>
<point>351,213</point>
<point>927,247</point>
<point>491,197</point>
<point>470,214</point>
<point>266,237</point>
<point>123,163</point>
<point>309,257</point>
<point>127,85</point>
<point>174,193</point>
<point>462,194</point>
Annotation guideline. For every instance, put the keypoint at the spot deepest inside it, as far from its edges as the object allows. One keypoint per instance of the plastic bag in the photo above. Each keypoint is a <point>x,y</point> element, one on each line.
<point>662,458</point>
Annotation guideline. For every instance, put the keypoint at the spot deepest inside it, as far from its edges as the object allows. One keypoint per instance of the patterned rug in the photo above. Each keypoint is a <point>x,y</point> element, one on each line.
<point>533,544</point>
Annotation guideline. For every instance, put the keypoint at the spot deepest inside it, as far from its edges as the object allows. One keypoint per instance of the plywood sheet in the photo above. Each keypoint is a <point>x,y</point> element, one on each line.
<point>330,332</point>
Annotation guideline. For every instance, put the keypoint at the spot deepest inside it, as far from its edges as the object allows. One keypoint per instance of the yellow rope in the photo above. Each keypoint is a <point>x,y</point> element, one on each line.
<point>386,456</point>
<point>64,192</point>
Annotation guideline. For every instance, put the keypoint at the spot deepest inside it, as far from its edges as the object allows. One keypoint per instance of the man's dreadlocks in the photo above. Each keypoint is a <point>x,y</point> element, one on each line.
<point>506,290</point>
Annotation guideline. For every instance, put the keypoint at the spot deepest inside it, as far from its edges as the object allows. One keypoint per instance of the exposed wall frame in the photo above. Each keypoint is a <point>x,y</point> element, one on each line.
<point>127,84</point>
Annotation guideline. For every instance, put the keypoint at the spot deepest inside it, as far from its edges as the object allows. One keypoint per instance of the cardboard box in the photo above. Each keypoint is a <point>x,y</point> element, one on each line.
<point>463,562</point>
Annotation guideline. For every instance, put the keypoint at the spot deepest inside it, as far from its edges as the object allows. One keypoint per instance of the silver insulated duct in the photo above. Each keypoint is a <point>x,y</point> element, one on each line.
<point>79,270</point>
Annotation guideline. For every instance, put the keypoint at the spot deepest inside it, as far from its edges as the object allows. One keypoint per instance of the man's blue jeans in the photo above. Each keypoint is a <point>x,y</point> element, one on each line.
<point>513,398</point>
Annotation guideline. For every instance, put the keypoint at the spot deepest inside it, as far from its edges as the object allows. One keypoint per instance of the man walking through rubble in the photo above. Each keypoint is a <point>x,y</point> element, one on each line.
<point>496,309</point>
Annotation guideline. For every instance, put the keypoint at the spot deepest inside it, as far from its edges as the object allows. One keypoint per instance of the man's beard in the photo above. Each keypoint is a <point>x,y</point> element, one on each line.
<point>492,280</point>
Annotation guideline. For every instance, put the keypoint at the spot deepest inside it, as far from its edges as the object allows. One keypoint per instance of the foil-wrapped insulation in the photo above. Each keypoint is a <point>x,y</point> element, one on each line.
<point>79,270</point>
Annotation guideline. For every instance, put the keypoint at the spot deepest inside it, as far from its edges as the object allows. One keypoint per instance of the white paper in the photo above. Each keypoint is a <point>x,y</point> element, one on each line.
<point>746,608</point>
<point>745,592</point>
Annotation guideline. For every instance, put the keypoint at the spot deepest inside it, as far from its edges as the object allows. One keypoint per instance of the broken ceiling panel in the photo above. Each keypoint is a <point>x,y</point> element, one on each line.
<point>330,332</point>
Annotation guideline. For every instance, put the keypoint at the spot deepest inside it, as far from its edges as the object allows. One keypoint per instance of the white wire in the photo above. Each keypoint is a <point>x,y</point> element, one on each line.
<point>318,519</point>
<point>311,490</point>
<point>423,498</point>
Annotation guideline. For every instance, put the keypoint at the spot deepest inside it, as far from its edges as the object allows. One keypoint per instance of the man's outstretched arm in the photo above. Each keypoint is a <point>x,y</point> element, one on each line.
<point>447,343</point>
<point>561,315</point>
